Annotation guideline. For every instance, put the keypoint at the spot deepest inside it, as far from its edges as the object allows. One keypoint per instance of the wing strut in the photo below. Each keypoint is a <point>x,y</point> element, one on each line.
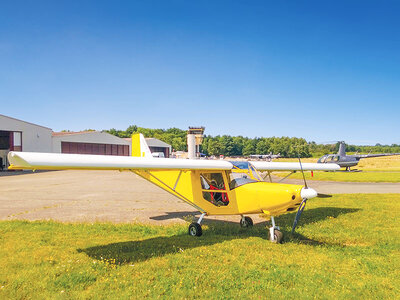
<point>171,190</point>
<point>177,180</point>
<point>264,176</point>
<point>287,176</point>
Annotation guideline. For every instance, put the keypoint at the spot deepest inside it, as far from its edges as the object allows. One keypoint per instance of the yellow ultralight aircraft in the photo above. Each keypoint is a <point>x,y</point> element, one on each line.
<point>214,187</point>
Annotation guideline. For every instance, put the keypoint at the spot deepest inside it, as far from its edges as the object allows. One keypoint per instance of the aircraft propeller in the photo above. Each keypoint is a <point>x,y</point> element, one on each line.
<point>298,214</point>
<point>319,195</point>
<point>305,195</point>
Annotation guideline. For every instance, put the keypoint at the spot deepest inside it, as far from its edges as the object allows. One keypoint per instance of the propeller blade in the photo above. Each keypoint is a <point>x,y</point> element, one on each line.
<point>302,172</point>
<point>319,195</point>
<point>299,212</point>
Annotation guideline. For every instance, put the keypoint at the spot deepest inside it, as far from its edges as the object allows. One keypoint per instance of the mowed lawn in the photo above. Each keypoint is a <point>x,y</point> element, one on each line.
<point>346,247</point>
<point>380,169</point>
<point>364,176</point>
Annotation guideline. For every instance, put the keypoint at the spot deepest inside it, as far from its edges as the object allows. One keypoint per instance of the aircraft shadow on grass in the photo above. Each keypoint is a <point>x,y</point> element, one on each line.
<point>218,231</point>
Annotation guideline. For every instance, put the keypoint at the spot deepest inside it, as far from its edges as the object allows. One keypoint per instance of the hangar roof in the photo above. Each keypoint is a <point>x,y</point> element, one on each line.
<point>88,136</point>
<point>62,133</point>
<point>14,119</point>
<point>152,142</point>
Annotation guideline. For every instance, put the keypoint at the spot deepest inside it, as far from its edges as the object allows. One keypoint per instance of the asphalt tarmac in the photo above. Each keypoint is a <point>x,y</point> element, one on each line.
<point>112,196</point>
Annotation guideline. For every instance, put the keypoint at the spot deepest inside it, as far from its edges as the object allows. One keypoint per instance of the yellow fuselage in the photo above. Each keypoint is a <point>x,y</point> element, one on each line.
<point>251,198</point>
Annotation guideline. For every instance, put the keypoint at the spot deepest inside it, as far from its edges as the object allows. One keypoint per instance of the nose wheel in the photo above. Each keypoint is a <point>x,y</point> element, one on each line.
<point>246,222</point>
<point>274,234</point>
<point>278,236</point>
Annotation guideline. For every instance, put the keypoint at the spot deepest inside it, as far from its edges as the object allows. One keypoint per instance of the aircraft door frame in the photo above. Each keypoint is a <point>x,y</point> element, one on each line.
<point>215,190</point>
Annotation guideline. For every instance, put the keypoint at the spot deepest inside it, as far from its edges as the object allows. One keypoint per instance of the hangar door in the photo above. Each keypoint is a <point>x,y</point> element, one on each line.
<point>164,150</point>
<point>9,141</point>
<point>93,148</point>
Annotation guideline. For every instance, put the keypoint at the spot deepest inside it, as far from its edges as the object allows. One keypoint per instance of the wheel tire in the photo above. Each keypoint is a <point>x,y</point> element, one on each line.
<point>195,229</point>
<point>246,222</point>
<point>278,236</point>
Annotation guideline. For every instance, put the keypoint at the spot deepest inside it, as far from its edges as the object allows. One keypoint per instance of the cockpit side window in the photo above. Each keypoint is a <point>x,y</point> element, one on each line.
<point>214,189</point>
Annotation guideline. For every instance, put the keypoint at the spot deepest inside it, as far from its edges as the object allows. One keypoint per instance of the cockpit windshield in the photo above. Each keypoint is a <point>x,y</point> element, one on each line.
<point>239,179</point>
<point>329,158</point>
<point>242,165</point>
<point>243,173</point>
<point>255,173</point>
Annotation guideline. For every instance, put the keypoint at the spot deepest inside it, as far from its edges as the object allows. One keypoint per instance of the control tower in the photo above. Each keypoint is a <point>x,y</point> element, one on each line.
<point>194,140</point>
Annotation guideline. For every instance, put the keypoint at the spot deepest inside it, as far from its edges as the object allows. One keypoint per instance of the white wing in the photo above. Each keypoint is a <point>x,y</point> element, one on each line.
<point>293,166</point>
<point>54,161</point>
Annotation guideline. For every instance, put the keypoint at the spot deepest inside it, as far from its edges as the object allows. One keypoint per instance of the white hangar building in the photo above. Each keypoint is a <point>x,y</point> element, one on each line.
<point>17,135</point>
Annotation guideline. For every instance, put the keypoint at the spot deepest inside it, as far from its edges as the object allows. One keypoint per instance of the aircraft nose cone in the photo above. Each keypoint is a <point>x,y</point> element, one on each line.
<point>308,193</point>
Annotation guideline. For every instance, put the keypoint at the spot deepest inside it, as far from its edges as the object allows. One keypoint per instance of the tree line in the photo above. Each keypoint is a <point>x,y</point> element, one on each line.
<point>243,146</point>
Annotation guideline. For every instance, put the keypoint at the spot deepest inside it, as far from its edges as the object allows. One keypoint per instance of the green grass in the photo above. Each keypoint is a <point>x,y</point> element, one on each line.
<point>365,176</point>
<point>346,247</point>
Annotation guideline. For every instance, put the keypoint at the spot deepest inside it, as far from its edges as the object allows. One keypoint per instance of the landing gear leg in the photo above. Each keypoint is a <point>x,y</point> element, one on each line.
<point>195,228</point>
<point>275,235</point>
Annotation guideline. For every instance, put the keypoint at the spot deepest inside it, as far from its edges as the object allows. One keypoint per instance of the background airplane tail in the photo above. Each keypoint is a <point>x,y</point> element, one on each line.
<point>140,147</point>
<point>342,149</point>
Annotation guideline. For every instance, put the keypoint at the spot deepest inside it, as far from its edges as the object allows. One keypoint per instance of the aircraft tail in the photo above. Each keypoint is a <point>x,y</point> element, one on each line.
<point>342,149</point>
<point>140,147</point>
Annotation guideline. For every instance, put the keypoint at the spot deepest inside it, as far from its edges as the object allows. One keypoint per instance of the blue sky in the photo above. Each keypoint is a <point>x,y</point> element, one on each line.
<point>322,70</point>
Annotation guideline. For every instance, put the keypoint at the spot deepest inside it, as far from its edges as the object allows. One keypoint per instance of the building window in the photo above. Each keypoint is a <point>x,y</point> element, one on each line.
<point>17,141</point>
<point>4,140</point>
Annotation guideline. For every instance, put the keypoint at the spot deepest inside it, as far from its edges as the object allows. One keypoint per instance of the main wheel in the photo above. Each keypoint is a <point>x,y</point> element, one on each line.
<point>278,236</point>
<point>195,229</point>
<point>246,222</point>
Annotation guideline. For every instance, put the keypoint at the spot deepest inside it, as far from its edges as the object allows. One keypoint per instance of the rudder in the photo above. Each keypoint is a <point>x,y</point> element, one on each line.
<point>140,147</point>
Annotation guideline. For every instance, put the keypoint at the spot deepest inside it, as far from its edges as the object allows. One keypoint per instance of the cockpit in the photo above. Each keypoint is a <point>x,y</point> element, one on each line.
<point>214,184</point>
<point>329,158</point>
<point>243,173</point>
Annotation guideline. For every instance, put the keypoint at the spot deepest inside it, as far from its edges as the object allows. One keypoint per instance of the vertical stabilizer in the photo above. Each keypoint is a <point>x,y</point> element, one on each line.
<point>342,149</point>
<point>140,147</point>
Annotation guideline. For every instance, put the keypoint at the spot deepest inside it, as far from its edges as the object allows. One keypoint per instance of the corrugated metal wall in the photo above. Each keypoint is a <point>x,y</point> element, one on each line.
<point>92,148</point>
